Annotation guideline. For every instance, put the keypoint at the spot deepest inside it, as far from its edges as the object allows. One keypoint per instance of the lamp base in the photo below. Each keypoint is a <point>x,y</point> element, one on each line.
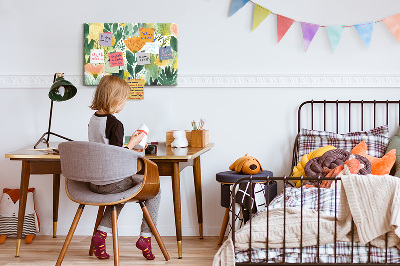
<point>45,139</point>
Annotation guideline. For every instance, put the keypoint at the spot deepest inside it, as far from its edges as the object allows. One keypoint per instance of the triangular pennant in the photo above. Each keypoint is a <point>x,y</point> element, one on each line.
<point>393,23</point>
<point>283,25</point>
<point>260,13</point>
<point>335,35</point>
<point>309,31</point>
<point>236,5</point>
<point>365,32</point>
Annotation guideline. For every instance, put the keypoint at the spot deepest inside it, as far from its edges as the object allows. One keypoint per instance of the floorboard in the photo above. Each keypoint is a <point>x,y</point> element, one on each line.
<point>44,251</point>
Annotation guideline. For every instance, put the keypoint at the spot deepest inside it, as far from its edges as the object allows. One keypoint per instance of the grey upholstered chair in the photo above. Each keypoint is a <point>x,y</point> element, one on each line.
<point>83,162</point>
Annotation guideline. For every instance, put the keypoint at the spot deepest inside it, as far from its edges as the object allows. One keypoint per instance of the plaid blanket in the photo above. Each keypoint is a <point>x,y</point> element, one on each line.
<point>292,198</point>
<point>310,199</point>
<point>326,254</point>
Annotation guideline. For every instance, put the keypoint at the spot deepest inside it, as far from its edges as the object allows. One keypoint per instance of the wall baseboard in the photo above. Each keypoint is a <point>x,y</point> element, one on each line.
<point>189,81</point>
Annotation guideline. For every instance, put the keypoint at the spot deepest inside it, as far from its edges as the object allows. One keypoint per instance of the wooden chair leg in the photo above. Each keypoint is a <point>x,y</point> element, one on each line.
<point>70,234</point>
<point>98,220</point>
<point>115,234</point>
<point>154,230</point>
<point>223,227</point>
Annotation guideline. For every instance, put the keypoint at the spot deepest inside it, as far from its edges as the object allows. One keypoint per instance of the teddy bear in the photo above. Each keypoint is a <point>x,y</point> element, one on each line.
<point>180,140</point>
<point>9,205</point>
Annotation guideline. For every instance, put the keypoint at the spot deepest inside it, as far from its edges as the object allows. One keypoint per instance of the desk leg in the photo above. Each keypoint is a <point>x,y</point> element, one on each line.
<point>25,175</point>
<point>56,199</point>
<point>176,190</point>
<point>197,187</point>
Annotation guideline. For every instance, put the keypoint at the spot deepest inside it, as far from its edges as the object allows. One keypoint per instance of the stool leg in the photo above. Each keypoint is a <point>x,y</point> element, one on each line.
<point>223,227</point>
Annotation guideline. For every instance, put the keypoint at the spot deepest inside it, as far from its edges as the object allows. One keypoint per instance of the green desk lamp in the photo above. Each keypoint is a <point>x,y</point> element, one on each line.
<point>61,90</point>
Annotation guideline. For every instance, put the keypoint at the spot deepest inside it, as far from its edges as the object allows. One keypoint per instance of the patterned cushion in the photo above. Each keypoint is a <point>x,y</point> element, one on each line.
<point>377,139</point>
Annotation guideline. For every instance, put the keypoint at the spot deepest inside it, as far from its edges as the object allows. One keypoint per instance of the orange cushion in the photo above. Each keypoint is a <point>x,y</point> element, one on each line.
<point>380,166</point>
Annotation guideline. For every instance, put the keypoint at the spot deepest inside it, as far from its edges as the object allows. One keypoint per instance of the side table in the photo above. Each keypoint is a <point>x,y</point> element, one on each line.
<point>228,178</point>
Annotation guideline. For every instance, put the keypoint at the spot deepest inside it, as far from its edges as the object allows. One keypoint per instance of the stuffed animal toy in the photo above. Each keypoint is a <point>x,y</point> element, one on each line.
<point>9,205</point>
<point>180,140</point>
<point>246,165</point>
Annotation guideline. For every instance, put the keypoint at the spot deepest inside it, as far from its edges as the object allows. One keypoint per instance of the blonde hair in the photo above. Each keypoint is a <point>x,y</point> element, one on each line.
<point>109,93</point>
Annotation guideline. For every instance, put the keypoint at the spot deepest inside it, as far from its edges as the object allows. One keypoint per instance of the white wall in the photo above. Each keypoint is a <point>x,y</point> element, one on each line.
<point>40,38</point>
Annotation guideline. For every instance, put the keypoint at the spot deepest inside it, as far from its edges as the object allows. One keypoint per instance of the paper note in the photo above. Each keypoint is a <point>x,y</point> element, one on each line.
<point>105,39</point>
<point>137,89</point>
<point>96,56</point>
<point>152,48</point>
<point>165,52</point>
<point>147,35</point>
<point>143,58</point>
<point>116,59</point>
<point>109,69</point>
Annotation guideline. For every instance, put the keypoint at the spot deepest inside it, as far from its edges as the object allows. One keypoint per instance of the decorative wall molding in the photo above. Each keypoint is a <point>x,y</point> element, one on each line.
<point>188,81</point>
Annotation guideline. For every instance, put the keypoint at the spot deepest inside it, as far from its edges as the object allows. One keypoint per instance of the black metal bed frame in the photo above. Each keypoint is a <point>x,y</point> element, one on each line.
<point>337,108</point>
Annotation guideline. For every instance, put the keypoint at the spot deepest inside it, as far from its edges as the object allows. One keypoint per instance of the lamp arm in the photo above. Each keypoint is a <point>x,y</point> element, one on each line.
<point>51,114</point>
<point>51,111</point>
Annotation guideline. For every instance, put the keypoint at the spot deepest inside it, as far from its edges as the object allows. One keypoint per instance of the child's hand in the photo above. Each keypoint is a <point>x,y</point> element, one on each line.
<point>141,150</point>
<point>135,139</point>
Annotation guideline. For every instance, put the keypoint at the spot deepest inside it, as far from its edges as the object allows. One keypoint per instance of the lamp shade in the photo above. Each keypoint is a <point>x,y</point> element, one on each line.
<point>61,90</point>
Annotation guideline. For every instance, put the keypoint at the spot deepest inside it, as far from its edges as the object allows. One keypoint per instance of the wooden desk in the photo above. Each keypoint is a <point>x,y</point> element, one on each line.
<point>170,162</point>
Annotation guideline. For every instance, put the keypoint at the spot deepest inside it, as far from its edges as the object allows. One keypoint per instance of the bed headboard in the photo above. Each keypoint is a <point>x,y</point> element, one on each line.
<point>347,116</point>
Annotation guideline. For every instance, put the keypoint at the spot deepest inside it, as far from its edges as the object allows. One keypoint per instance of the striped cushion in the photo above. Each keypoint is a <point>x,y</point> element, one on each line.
<point>377,139</point>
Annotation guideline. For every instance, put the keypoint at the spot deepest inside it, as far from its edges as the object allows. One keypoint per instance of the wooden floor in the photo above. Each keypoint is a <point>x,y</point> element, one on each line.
<point>44,250</point>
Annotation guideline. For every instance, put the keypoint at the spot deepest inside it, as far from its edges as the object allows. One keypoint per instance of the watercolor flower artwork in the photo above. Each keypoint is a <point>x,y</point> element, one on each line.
<point>131,51</point>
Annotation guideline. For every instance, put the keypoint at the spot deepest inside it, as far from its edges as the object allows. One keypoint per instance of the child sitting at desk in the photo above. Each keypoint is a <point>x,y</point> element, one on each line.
<point>110,98</point>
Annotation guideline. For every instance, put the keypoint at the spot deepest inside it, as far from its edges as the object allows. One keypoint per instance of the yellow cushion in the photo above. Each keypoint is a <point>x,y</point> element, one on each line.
<point>298,170</point>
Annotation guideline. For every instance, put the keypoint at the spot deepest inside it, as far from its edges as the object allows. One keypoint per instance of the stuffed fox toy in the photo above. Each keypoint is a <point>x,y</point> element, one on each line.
<point>246,165</point>
<point>9,205</point>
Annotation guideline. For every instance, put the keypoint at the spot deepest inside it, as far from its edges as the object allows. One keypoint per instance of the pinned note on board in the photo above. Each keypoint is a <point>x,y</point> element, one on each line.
<point>165,52</point>
<point>152,48</point>
<point>143,58</point>
<point>116,59</point>
<point>96,56</point>
<point>147,35</point>
<point>105,39</point>
<point>109,69</point>
<point>137,89</point>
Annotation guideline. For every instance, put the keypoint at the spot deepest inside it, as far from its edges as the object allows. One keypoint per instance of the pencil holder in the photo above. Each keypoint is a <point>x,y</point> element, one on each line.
<point>199,138</point>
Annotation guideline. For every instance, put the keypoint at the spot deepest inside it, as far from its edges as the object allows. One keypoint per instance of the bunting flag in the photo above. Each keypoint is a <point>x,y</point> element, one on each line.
<point>393,23</point>
<point>283,25</point>
<point>335,35</point>
<point>365,32</point>
<point>236,5</point>
<point>260,13</point>
<point>309,31</point>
